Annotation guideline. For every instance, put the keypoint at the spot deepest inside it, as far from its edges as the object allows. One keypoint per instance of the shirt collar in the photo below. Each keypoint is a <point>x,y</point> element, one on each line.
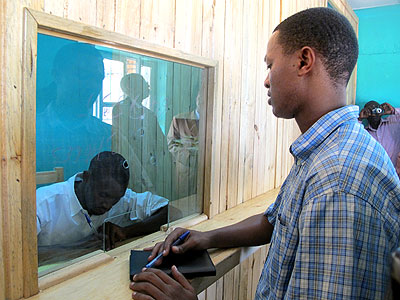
<point>305,144</point>
<point>75,205</point>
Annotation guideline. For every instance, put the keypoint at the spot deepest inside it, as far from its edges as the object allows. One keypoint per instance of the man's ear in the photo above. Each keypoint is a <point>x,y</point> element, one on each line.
<point>85,176</point>
<point>306,60</point>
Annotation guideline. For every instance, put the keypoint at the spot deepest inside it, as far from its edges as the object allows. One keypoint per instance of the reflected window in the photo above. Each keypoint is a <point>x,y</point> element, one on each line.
<point>124,128</point>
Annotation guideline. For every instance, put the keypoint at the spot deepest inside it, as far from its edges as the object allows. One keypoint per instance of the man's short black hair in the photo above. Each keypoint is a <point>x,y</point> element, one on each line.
<point>326,31</point>
<point>109,164</point>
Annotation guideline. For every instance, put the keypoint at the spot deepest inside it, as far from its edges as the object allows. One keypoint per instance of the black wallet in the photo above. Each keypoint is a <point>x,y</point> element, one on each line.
<point>191,264</point>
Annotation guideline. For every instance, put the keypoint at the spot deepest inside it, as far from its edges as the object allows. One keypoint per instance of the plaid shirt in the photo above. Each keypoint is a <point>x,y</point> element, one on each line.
<point>336,218</point>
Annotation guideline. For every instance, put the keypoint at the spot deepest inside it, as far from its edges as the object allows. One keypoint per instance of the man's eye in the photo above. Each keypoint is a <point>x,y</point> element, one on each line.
<point>269,66</point>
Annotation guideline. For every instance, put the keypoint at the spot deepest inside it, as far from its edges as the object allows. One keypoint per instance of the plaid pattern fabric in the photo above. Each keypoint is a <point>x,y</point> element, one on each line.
<point>336,218</point>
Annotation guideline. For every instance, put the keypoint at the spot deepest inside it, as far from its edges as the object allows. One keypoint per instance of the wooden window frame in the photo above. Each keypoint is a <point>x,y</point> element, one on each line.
<point>39,22</point>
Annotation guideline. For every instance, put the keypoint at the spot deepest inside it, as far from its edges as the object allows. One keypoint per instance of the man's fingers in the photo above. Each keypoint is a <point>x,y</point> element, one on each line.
<point>180,278</point>
<point>155,277</point>
<point>172,238</point>
<point>149,248</point>
<point>145,290</point>
<point>154,250</point>
<point>140,296</point>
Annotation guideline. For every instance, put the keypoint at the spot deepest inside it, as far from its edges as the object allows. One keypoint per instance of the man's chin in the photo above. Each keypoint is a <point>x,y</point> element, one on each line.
<point>97,212</point>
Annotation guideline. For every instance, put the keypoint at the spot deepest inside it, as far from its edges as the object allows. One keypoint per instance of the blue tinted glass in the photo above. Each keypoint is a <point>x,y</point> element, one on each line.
<point>91,99</point>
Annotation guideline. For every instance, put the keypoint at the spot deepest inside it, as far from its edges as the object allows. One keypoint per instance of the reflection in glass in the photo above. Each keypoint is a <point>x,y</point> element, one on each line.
<point>92,99</point>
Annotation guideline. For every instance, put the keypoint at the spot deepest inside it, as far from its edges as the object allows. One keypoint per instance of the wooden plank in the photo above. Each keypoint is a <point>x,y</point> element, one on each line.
<point>105,14</point>
<point>211,291</point>
<point>82,11</point>
<point>57,8</point>
<point>127,17</point>
<point>188,26</point>
<point>11,150</point>
<point>203,169</point>
<point>168,120</point>
<point>3,127</point>
<point>236,280</point>
<point>256,272</point>
<point>185,222</point>
<point>28,165</point>
<point>207,109</point>
<point>220,289</point>
<point>158,21</point>
<point>245,278</point>
<point>202,295</point>
<point>247,103</point>
<point>74,270</point>
<point>176,96</point>
<point>231,106</point>
<point>265,121</point>
<point>61,27</point>
<point>213,47</point>
<point>228,285</point>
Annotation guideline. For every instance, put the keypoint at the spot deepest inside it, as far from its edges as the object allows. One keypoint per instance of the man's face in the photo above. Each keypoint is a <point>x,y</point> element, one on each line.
<point>373,117</point>
<point>102,195</point>
<point>281,80</point>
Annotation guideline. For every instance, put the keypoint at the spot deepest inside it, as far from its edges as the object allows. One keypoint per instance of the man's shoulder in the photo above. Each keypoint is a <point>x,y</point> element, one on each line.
<point>353,160</point>
<point>54,192</point>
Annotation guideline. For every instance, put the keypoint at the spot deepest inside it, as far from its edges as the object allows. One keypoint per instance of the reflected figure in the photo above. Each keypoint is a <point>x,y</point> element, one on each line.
<point>386,130</point>
<point>74,210</point>
<point>68,135</point>
<point>138,136</point>
<point>183,143</point>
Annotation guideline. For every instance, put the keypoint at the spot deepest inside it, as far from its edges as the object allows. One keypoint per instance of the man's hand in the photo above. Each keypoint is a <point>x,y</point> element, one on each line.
<point>155,284</point>
<point>196,240</point>
<point>113,234</point>
<point>388,109</point>
<point>365,113</point>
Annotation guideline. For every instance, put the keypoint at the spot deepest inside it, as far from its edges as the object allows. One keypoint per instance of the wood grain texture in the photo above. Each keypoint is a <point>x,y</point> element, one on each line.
<point>213,46</point>
<point>28,165</point>
<point>128,17</point>
<point>232,97</point>
<point>3,113</point>
<point>105,14</point>
<point>249,59</point>
<point>11,198</point>
<point>158,21</point>
<point>243,162</point>
<point>188,26</point>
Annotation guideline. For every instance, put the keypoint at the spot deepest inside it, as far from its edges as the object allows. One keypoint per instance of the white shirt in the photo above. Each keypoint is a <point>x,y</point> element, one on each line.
<point>60,218</point>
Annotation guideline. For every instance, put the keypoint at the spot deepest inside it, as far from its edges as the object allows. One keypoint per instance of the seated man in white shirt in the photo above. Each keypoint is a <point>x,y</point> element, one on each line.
<point>73,210</point>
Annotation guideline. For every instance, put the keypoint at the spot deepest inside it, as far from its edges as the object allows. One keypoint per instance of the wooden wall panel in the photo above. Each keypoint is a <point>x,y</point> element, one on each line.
<point>105,14</point>
<point>249,145</point>
<point>11,205</point>
<point>127,17</point>
<point>231,103</point>
<point>213,46</point>
<point>264,121</point>
<point>157,21</point>
<point>82,11</point>
<point>57,8</point>
<point>251,20</point>
<point>188,26</point>
<point>3,179</point>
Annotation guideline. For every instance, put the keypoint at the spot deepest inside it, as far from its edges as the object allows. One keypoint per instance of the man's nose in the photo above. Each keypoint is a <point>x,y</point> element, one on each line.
<point>267,84</point>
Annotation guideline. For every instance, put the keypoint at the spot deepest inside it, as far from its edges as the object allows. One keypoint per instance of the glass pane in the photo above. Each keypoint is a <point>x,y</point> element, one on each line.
<point>124,128</point>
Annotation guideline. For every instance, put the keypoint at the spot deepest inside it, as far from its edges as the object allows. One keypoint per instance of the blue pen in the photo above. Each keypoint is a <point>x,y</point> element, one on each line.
<point>176,243</point>
<point>89,221</point>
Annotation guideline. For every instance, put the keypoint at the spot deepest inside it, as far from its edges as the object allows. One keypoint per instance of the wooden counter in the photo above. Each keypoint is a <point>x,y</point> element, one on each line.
<point>110,279</point>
